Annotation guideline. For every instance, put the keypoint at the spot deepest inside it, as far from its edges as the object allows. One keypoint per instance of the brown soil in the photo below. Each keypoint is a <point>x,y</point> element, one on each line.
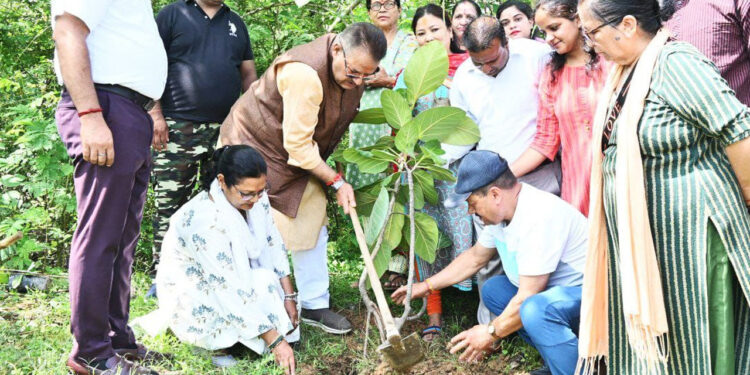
<point>437,360</point>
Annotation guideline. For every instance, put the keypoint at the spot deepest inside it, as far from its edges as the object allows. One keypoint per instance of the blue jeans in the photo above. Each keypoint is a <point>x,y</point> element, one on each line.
<point>550,320</point>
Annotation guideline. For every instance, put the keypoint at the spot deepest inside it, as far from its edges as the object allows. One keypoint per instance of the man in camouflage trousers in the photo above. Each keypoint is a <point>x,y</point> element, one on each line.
<point>201,87</point>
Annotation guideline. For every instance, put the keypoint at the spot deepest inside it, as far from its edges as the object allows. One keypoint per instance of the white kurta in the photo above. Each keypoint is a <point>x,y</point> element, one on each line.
<point>218,279</point>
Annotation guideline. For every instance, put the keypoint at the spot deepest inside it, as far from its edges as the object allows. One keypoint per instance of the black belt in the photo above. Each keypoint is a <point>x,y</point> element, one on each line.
<point>139,99</point>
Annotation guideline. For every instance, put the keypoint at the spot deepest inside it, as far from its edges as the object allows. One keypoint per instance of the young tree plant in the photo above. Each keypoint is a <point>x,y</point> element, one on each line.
<point>410,158</point>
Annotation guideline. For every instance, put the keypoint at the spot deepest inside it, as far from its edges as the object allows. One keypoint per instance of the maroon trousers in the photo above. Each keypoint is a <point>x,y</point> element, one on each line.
<point>110,207</point>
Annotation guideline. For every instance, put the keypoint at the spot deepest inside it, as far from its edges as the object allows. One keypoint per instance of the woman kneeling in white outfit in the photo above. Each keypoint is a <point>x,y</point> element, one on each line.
<point>224,274</point>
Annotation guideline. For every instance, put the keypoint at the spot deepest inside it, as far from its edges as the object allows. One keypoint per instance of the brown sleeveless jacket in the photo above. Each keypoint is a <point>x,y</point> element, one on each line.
<point>256,117</point>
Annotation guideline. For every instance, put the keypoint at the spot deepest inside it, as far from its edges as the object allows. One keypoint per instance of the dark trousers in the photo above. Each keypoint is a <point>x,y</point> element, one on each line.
<point>110,207</point>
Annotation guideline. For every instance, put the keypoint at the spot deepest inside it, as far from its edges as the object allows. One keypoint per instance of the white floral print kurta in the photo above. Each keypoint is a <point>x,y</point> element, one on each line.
<point>213,292</point>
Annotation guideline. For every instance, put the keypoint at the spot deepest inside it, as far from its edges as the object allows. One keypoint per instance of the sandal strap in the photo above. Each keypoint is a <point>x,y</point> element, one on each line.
<point>432,329</point>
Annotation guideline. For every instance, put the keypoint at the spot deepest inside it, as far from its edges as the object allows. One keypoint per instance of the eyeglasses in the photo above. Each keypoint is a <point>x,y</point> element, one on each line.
<point>252,195</point>
<point>355,75</point>
<point>387,6</point>
<point>589,35</point>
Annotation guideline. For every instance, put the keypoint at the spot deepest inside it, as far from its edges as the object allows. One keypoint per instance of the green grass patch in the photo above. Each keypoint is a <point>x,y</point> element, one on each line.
<point>35,338</point>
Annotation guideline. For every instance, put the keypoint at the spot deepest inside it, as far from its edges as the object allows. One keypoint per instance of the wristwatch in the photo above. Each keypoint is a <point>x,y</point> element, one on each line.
<point>491,331</point>
<point>337,182</point>
<point>336,185</point>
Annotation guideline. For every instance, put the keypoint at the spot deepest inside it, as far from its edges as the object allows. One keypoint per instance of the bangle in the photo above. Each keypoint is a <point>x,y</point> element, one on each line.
<point>336,178</point>
<point>275,343</point>
<point>291,297</point>
<point>92,110</point>
<point>429,285</point>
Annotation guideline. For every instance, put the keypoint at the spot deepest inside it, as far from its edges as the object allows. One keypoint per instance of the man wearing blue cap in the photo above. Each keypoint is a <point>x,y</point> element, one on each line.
<point>542,242</point>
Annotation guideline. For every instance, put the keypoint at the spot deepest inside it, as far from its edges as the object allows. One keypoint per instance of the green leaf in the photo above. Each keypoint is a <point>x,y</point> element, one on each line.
<point>403,196</point>
<point>396,109</point>
<point>370,116</point>
<point>391,179</point>
<point>383,155</point>
<point>433,149</point>
<point>426,70</point>
<point>438,123</point>
<point>381,261</point>
<point>440,173</point>
<point>366,197</point>
<point>11,181</point>
<point>425,235</point>
<point>338,155</point>
<point>377,217</point>
<point>407,137</point>
<point>392,236</point>
<point>15,281</point>
<point>403,92</point>
<point>365,161</point>
<point>444,241</point>
<point>383,143</point>
<point>465,133</point>
<point>427,185</point>
<point>418,197</point>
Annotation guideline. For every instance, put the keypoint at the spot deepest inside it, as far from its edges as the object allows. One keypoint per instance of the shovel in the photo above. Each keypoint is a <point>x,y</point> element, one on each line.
<point>400,353</point>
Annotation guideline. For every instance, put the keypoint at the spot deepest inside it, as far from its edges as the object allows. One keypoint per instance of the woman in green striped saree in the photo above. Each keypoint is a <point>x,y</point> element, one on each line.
<point>667,282</point>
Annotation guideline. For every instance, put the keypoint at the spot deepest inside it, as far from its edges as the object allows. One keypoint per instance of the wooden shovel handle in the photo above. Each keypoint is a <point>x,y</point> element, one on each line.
<point>385,312</point>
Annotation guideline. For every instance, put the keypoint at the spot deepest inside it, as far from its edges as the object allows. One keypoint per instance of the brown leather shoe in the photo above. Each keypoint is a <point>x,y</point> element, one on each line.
<point>114,366</point>
<point>141,353</point>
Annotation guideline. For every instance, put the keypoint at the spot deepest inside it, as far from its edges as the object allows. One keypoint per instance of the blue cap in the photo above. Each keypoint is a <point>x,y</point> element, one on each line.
<point>477,170</point>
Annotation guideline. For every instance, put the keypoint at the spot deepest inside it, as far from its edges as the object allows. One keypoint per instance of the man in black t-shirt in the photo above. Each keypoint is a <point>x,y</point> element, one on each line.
<point>210,65</point>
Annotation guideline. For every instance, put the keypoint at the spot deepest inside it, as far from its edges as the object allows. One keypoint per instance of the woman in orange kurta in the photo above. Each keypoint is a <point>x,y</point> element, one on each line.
<point>568,91</point>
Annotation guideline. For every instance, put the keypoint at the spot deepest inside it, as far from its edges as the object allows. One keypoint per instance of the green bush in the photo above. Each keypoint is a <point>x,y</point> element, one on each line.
<point>36,187</point>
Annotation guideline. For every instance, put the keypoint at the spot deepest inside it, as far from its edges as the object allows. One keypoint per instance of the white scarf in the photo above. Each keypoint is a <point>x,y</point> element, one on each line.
<point>244,242</point>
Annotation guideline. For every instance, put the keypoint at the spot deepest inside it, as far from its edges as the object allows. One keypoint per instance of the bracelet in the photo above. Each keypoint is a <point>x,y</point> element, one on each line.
<point>275,343</point>
<point>336,178</point>
<point>429,285</point>
<point>90,111</point>
<point>291,297</point>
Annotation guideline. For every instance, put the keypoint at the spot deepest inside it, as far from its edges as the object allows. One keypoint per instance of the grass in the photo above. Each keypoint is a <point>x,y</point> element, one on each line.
<point>35,339</point>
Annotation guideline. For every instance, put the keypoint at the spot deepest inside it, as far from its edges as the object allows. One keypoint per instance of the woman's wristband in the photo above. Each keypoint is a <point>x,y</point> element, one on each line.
<point>429,285</point>
<point>275,343</point>
<point>290,297</point>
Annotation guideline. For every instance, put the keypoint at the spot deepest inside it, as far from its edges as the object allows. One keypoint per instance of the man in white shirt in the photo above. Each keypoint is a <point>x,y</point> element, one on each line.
<point>497,87</point>
<point>111,60</point>
<point>542,242</point>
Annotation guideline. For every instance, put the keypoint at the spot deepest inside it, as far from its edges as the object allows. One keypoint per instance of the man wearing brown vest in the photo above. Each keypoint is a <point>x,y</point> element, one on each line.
<point>295,115</point>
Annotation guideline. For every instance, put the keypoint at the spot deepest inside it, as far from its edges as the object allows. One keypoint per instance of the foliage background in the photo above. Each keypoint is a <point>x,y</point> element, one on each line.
<point>36,197</point>
<point>36,186</point>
